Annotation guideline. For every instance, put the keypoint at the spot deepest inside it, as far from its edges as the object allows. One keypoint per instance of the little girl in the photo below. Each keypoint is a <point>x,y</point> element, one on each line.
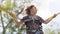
<point>33,22</point>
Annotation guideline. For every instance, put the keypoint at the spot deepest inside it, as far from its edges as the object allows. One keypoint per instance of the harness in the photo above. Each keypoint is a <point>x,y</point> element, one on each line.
<point>30,27</point>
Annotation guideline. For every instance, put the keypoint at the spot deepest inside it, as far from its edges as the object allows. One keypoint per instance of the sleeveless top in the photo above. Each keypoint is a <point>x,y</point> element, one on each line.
<point>33,23</point>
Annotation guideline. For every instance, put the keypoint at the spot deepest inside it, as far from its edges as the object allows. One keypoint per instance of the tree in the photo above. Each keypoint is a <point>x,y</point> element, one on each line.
<point>7,11</point>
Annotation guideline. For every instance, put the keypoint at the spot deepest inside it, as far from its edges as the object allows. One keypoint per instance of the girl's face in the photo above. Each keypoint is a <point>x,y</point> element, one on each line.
<point>33,10</point>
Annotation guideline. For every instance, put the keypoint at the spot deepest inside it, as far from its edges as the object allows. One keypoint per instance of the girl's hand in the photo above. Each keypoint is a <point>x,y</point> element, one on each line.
<point>56,15</point>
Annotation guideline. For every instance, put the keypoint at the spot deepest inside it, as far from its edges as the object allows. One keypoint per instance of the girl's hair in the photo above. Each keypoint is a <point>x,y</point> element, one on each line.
<point>28,9</point>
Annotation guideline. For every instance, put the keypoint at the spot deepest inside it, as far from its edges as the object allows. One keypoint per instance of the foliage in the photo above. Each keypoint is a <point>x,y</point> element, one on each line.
<point>6,11</point>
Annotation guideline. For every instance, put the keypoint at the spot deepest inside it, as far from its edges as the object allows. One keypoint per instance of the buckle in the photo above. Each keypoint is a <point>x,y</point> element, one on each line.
<point>33,31</point>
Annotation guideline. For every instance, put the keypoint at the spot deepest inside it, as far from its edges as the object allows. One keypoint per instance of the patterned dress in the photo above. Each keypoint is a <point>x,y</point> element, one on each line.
<point>33,24</point>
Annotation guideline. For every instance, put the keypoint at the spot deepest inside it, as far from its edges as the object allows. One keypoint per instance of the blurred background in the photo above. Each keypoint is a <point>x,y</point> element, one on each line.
<point>46,8</point>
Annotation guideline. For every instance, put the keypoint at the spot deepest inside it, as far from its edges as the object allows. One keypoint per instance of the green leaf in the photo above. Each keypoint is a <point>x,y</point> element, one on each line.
<point>58,32</point>
<point>0,12</point>
<point>8,5</point>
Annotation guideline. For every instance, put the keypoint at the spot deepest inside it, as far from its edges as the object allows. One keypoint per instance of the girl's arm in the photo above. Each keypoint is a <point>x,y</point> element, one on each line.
<point>50,18</point>
<point>20,21</point>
